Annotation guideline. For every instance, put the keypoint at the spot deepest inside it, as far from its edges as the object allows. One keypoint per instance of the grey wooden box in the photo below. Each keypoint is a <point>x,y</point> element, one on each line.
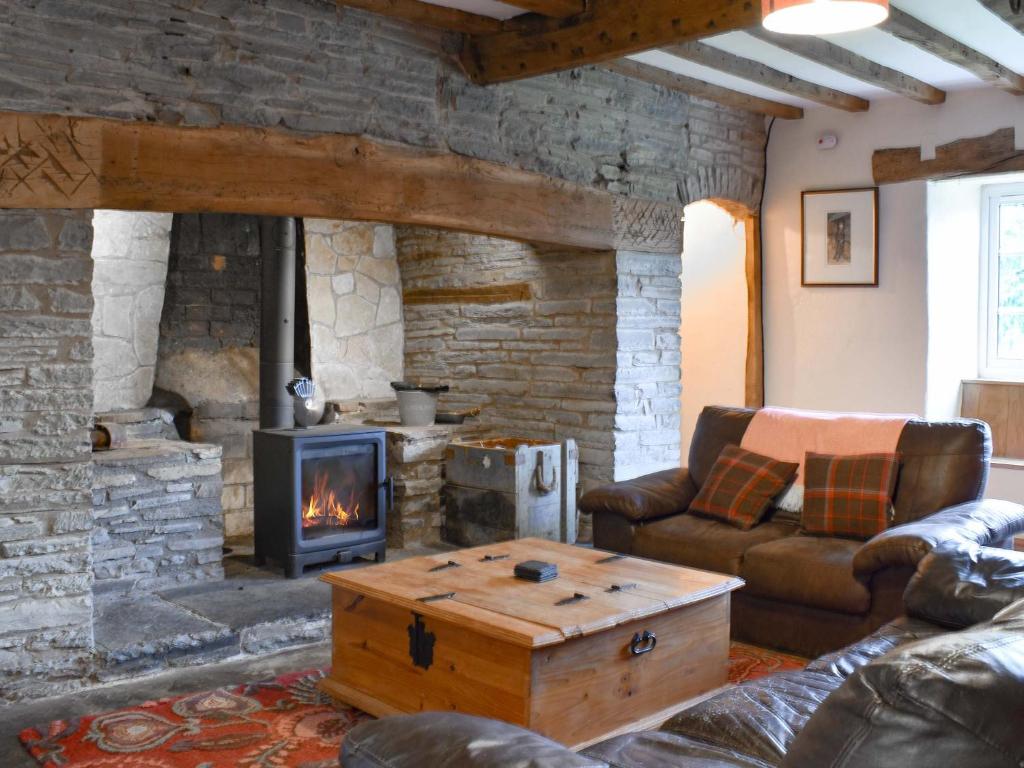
<point>503,489</point>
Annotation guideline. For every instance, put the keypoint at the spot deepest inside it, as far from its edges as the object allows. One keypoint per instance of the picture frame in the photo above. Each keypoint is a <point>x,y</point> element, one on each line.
<point>839,237</point>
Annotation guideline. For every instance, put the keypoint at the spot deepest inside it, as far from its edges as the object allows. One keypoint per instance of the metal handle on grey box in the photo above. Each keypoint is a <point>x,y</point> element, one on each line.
<point>543,486</point>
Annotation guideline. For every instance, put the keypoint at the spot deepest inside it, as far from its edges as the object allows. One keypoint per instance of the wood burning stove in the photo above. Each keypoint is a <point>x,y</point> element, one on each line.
<point>322,495</point>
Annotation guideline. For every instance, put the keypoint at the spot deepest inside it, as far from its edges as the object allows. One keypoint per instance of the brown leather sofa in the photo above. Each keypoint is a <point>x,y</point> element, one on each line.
<point>810,594</point>
<point>939,688</point>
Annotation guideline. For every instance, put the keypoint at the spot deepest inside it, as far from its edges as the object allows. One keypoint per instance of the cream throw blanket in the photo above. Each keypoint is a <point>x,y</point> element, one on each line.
<point>789,434</point>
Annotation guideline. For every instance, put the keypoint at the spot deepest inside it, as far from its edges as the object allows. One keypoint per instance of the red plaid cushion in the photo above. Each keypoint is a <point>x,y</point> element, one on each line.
<point>741,486</point>
<point>849,495</point>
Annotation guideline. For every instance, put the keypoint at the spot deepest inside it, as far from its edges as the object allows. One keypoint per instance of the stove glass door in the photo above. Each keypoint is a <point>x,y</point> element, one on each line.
<point>339,489</point>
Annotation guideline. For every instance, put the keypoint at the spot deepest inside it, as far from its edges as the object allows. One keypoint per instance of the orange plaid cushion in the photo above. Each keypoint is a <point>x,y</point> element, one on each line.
<point>741,486</point>
<point>849,495</point>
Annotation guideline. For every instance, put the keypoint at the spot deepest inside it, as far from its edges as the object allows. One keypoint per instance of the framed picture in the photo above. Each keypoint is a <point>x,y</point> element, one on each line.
<point>840,237</point>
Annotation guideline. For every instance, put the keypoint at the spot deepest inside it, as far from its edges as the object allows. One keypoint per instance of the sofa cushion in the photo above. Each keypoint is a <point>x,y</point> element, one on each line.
<point>740,488</point>
<point>948,701</point>
<point>657,749</point>
<point>849,495</point>
<point>760,718</point>
<point>809,570</point>
<point>698,542</point>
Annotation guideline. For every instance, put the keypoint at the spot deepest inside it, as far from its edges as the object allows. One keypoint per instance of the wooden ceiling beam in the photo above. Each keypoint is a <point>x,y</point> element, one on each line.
<point>905,27</point>
<point>854,65</point>
<point>1001,8</point>
<point>559,9</point>
<point>435,16</point>
<point>56,161</point>
<point>757,72</point>
<point>607,30</point>
<point>693,87</point>
<point>994,153</point>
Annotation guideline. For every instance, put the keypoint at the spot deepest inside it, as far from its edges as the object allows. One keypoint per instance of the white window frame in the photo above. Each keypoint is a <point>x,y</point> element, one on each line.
<point>990,364</point>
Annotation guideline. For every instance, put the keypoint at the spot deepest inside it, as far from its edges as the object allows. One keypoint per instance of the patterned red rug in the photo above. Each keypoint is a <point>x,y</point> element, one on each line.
<point>280,723</point>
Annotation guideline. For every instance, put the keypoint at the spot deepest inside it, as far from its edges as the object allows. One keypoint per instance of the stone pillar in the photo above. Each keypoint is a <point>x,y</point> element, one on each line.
<point>355,308</point>
<point>129,254</point>
<point>45,460</point>
<point>647,381</point>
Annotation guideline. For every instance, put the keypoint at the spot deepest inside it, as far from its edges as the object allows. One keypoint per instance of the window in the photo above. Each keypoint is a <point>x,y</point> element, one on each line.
<point>1002,282</point>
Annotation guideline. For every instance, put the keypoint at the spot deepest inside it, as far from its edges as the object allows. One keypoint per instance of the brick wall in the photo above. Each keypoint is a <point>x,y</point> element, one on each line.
<point>213,284</point>
<point>541,367</point>
<point>45,470</point>
<point>209,339</point>
<point>308,65</point>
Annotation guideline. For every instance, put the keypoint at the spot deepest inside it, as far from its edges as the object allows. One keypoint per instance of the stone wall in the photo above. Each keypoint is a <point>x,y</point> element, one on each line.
<point>541,365</point>
<point>647,382</point>
<point>45,469</point>
<point>158,516</point>
<point>310,65</point>
<point>355,308</point>
<point>129,252</point>
<point>209,337</point>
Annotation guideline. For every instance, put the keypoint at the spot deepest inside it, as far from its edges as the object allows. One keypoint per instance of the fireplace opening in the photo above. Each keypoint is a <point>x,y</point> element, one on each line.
<point>338,492</point>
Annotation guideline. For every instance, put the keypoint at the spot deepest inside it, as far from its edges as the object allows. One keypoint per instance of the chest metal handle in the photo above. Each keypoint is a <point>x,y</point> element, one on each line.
<point>643,643</point>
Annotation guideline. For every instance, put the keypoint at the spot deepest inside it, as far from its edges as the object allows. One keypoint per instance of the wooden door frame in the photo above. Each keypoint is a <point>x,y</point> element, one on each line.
<point>754,265</point>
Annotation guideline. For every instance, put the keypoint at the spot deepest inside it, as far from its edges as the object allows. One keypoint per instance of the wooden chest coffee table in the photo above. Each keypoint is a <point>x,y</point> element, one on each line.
<point>613,644</point>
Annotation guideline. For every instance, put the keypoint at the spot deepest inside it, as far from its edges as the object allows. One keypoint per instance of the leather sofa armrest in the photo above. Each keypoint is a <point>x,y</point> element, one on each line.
<point>449,740</point>
<point>958,586</point>
<point>985,522</point>
<point>650,497</point>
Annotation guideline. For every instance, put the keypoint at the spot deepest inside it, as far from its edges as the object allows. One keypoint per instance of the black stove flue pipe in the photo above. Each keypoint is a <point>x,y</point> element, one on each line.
<point>277,321</point>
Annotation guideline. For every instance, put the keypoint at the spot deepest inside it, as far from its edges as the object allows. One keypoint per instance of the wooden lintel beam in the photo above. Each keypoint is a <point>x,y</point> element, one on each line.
<point>1002,9</point>
<point>995,153</point>
<point>558,9</point>
<point>693,87</point>
<point>757,72</point>
<point>607,30</point>
<point>849,63</point>
<point>435,16</point>
<point>56,161</point>
<point>905,27</point>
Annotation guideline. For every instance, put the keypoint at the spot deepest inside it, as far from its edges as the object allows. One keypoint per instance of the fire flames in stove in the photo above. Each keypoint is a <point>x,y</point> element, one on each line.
<point>326,508</point>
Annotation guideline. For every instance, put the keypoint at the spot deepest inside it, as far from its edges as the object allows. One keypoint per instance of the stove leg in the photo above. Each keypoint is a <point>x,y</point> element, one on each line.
<point>293,568</point>
<point>381,554</point>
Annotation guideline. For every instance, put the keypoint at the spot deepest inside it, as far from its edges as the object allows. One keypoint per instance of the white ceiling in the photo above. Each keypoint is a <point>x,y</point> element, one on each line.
<point>966,20</point>
<point>490,8</point>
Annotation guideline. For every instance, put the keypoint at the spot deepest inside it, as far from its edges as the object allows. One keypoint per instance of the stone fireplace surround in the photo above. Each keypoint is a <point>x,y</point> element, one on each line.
<point>584,346</point>
<point>306,67</point>
<point>587,349</point>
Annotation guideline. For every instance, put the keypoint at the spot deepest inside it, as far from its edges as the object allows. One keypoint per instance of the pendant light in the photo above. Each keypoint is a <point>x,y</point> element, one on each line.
<point>822,17</point>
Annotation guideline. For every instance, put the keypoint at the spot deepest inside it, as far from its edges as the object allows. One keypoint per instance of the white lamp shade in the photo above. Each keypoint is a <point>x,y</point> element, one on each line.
<point>822,17</point>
